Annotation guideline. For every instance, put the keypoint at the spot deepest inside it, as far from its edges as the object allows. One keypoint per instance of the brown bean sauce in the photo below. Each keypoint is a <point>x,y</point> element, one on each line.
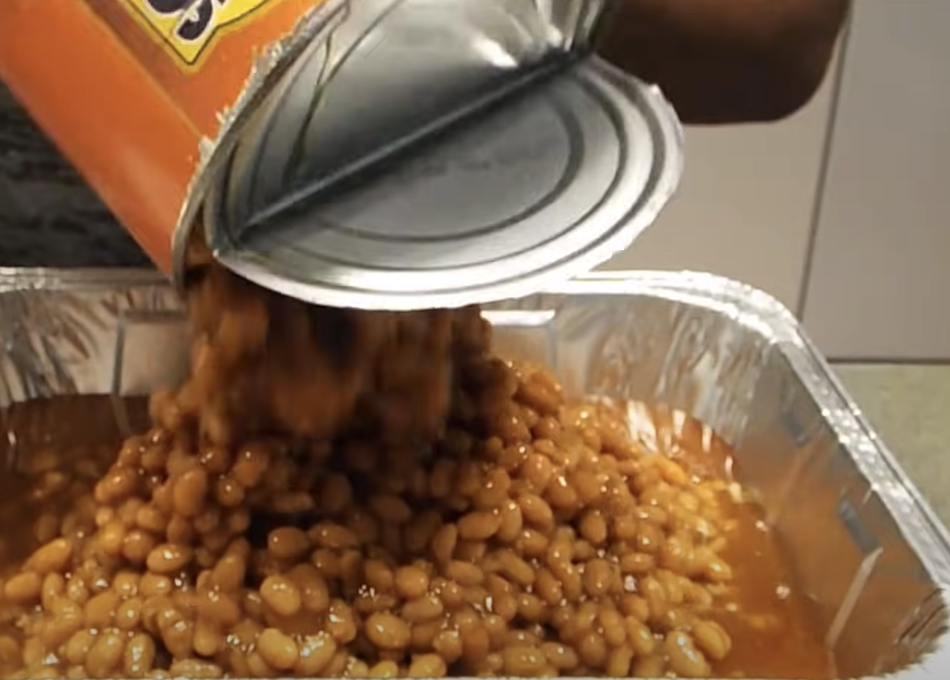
<point>773,622</point>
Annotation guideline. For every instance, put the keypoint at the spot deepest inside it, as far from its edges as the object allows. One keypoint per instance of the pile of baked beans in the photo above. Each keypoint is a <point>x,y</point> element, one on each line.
<point>480,524</point>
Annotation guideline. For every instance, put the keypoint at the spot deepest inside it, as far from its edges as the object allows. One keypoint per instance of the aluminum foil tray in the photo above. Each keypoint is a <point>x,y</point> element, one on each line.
<point>860,538</point>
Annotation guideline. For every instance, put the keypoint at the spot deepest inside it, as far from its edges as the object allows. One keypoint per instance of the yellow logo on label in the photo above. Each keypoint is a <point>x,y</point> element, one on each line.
<point>187,27</point>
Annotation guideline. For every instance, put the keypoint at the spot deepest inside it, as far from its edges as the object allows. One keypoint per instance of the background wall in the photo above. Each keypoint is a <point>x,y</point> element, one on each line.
<point>880,279</point>
<point>841,211</point>
<point>746,203</point>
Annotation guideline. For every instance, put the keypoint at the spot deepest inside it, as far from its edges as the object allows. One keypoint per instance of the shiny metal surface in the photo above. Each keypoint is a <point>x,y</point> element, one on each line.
<point>429,153</point>
<point>547,187</point>
<point>265,77</point>
<point>860,538</point>
<point>392,72</point>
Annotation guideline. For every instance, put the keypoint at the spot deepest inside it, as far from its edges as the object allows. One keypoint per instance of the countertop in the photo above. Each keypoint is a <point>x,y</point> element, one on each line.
<point>907,406</point>
<point>48,217</point>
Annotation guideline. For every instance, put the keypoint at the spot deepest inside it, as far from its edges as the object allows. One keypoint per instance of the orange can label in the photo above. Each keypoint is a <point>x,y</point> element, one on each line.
<point>188,29</point>
<point>132,90</point>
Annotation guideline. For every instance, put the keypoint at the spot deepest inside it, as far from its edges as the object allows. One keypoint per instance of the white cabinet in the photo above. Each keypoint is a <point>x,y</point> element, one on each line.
<point>880,278</point>
<point>746,204</point>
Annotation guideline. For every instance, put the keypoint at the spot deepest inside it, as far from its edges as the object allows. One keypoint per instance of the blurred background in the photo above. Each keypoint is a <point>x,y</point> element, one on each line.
<point>843,211</point>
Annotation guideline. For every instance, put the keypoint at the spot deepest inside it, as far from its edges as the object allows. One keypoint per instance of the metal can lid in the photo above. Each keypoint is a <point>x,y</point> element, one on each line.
<point>545,186</point>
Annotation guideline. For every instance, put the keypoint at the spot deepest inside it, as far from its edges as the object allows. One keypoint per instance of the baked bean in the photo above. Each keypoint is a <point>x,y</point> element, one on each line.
<point>116,486</point>
<point>548,587</point>
<point>128,614</point>
<point>684,659</point>
<point>341,623</point>
<point>532,543</point>
<point>384,669</point>
<point>52,557</point>
<point>100,609</point>
<point>711,639</point>
<point>611,622</point>
<point>105,655</point>
<point>427,666</point>
<point>314,654</point>
<point>250,465</point>
<point>717,571</point>
<point>229,573</point>
<point>423,609</point>
<point>411,582</point>
<point>288,543</point>
<point>593,527</point>
<point>177,633</point>
<point>379,575</point>
<point>154,584</point>
<point>536,511</point>
<point>476,643</point>
<point>137,544</point>
<point>597,577</point>
<point>637,563</point>
<point>479,526</point>
<point>150,518</point>
<point>444,542</point>
<point>195,668</point>
<point>138,658</point>
<point>66,620</point>
<point>54,586</point>
<point>280,594</point>
<point>257,667</point>
<point>111,537</point>
<point>448,644</point>
<point>168,558</point>
<point>515,568</point>
<point>388,632</point>
<point>649,667</point>
<point>228,492</point>
<point>586,485</point>
<point>391,509</point>
<point>464,573</point>
<point>23,588</point>
<point>639,636</point>
<point>78,646</point>
<point>494,489</point>
<point>277,649</point>
<point>524,661</point>
<point>189,491</point>
<point>333,536</point>
<point>313,589</point>
<point>593,649</point>
<point>618,663</point>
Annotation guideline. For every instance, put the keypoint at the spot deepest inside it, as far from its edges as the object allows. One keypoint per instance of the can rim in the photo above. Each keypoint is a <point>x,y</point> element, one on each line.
<point>275,57</point>
<point>668,172</point>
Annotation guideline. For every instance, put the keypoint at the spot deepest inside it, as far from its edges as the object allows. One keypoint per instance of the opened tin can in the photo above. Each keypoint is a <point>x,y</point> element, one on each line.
<point>390,154</point>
